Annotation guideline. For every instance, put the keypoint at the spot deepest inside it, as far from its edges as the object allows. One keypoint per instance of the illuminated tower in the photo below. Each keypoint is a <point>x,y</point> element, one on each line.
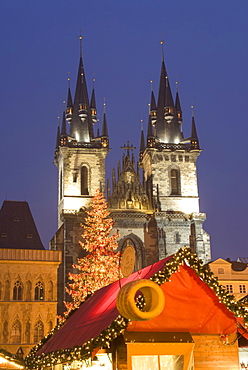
<point>169,164</point>
<point>80,159</point>
<point>80,155</point>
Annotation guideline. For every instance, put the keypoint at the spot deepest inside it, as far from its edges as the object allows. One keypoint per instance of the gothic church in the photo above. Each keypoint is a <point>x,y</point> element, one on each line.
<point>155,203</point>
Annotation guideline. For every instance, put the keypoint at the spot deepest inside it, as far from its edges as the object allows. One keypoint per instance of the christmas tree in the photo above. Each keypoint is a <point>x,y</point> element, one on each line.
<point>100,266</point>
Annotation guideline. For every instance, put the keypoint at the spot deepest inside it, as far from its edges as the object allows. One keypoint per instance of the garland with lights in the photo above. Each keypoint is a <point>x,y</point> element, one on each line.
<point>118,326</point>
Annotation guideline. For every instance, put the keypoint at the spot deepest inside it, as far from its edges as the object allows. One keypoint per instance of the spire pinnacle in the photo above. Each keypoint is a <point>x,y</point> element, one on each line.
<point>80,43</point>
<point>162,48</point>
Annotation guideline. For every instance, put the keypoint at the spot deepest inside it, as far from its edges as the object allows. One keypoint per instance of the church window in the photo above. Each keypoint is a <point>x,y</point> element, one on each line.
<point>177,238</point>
<point>7,290</point>
<point>221,270</point>
<point>180,158</point>
<point>18,291</point>
<point>39,291</point>
<point>175,183</point>
<point>16,332</point>
<point>186,158</point>
<point>229,288</point>
<point>242,288</point>
<point>84,181</point>
<point>5,332</point>
<point>38,331</point>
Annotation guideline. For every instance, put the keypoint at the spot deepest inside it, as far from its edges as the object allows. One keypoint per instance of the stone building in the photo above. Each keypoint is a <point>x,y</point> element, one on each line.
<point>155,205</point>
<point>233,275</point>
<point>28,280</point>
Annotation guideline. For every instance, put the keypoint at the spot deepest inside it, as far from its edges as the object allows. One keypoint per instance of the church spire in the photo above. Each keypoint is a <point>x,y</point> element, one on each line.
<point>93,103</point>
<point>104,137</point>
<point>178,106</point>
<point>69,107</point>
<point>194,138</point>
<point>167,126</point>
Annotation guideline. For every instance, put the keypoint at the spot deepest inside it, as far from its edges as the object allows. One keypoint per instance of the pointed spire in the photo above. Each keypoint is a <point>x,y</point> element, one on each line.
<point>104,138</point>
<point>178,106</point>
<point>63,128</point>
<point>142,145</point>
<point>93,103</point>
<point>194,137</point>
<point>57,144</point>
<point>153,108</point>
<point>69,107</point>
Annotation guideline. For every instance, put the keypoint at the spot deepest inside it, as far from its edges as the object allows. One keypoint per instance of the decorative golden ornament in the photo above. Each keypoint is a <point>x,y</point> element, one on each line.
<point>127,261</point>
<point>153,297</point>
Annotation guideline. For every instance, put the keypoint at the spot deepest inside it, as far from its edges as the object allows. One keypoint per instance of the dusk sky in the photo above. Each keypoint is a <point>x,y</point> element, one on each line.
<point>206,51</point>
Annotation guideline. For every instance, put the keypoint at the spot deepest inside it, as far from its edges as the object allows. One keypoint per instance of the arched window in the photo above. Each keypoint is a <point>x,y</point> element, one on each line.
<point>39,291</point>
<point>5,332</point>
<point>84,181</point>
<point>16,332</point>
<point>7,290</point>
<point>17,291</point>
<point>50,291</point>
<point>175,182</point>
<point>38,331</point>
<point>28,289</point>
<point>27,332</point>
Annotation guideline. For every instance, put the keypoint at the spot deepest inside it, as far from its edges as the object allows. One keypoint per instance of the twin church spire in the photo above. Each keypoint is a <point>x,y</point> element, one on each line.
<point>81,115</point>
<point>165,119</point>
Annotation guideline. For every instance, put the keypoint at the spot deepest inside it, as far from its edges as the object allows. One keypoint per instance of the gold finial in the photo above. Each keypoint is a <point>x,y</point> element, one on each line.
<point>151,81</point>
<point>68,79</point>
<point>177,86</point>
<point>142,124</point>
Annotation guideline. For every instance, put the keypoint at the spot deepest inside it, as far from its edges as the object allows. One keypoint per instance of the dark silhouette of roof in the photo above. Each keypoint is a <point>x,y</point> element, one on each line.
<point>17,227</point>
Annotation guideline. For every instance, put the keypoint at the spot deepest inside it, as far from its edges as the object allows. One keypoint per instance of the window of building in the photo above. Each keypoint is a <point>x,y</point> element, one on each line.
<point>16,219</point>
<point>17,291</point>
<point>158,362</point>
<point>4,235</point>
<point>175,182</point>
<point>38,331</point>
<point>221,270</point>
<point>29,236</point>
<point>229,288</point>
<point>16,332</point>
<point>39,291</point>
<point>84,181</point>
<point>180,157</point>
<point>242,288</point>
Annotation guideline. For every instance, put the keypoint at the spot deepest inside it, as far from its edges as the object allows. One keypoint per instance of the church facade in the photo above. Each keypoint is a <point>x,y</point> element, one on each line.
<point>154,202</point>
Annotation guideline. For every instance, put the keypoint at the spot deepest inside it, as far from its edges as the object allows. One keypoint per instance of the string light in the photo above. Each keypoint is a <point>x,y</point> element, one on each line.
<point>118,326</point>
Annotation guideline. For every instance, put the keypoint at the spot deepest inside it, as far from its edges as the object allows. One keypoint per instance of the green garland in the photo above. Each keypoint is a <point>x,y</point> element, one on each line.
<point>117,327</point>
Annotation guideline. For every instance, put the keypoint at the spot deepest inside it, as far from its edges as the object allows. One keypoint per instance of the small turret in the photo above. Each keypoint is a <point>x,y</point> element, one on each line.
<point>63,136</point>
<point>93,104</point>
<point>104,137</point>
<point>142,146</point>
<point>153,109</point>
<point>69,108</point>
<point>178,107</point>
<point>82,109</point>
<point>194,138</point>
<point>57,141</point>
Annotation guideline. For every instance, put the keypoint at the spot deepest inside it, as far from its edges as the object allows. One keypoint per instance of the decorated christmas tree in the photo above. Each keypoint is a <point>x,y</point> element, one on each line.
<point>100,266</point>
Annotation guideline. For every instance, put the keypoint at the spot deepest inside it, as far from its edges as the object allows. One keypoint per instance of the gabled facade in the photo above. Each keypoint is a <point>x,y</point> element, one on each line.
<point>28,281</point>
